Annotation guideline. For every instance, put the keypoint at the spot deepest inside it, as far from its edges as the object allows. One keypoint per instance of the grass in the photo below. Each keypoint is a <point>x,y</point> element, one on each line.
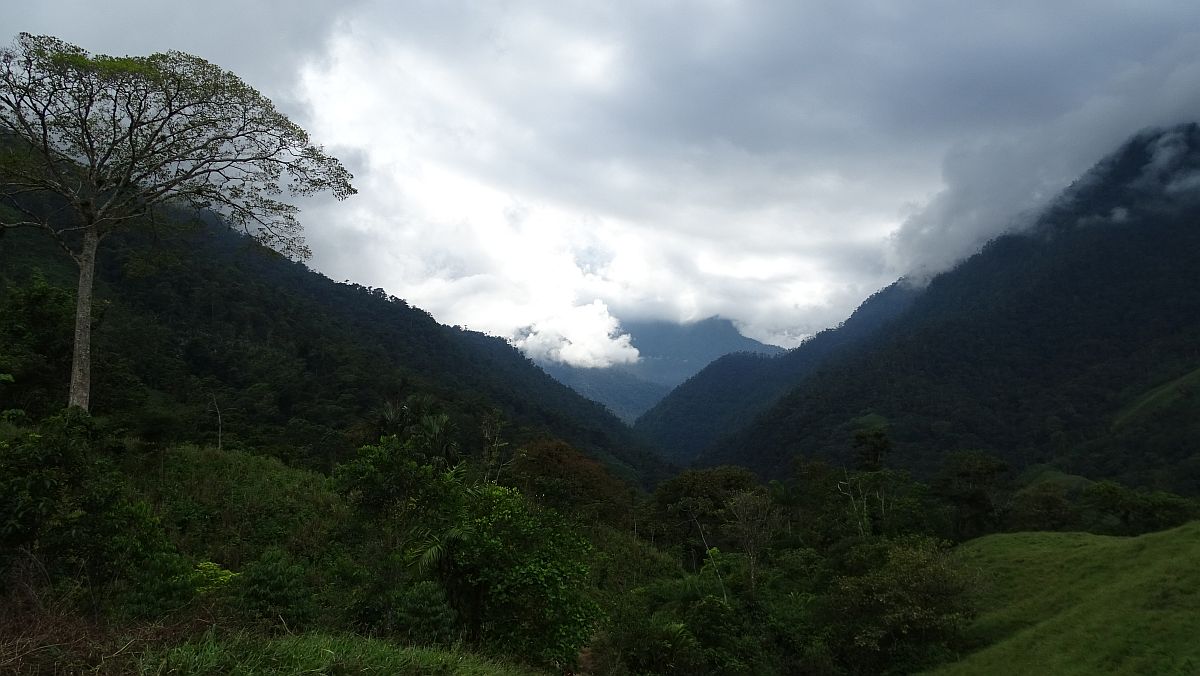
<point>1074,603</point>
<point>316,654</point>
<point>1163,396</point>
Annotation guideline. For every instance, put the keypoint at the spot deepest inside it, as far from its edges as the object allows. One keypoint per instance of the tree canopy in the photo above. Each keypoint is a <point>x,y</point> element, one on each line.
<point>117,136</point>
<point>93,144</point>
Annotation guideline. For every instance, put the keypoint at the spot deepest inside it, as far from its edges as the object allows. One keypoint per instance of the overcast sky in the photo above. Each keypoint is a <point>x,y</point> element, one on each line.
<point>540,170</point>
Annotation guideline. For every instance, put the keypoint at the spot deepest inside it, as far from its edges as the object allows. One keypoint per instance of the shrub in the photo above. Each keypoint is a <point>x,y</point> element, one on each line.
<point>902,614</point>
<point>67,507</point>
<point>274,591</point>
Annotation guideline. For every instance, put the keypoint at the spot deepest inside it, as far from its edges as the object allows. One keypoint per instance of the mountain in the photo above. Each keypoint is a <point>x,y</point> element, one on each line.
<point>1075,342</point>
<point>669,354</point>
<point>205,333</point>
<point>736,387</point>
<point>621,392</point>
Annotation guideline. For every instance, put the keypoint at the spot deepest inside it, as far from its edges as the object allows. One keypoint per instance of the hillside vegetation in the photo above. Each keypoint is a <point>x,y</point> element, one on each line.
<point>279,473</point>
<point>731,391</point>
<point>1033,347</point>
<point>206,334</point>
<point>1076,603</point>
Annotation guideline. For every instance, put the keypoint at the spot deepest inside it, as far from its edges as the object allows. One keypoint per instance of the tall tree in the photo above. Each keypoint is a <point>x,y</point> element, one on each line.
<point>116,139</point>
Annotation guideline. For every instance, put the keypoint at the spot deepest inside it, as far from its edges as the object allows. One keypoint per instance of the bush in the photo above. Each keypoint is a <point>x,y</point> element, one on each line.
<point>902,614</point>
<point>68,508</point>
<point>637,641</point>
<point>421,615</point>
<point>521,576</point>
<point>274,591</point>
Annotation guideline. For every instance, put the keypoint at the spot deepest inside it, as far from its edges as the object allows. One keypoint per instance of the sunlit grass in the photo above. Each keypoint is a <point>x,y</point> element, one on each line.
<point>1074,603</point>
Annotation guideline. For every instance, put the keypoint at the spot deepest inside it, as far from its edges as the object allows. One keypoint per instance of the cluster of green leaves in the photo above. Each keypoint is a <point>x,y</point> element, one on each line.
<point>796,577</point>
<point>399,542</point>
<point>35,343</point>
<point>69,517</point>
<point>514,573</point>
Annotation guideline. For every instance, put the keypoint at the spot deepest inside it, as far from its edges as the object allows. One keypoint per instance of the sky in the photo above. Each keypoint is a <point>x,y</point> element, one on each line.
<point>543,170</point>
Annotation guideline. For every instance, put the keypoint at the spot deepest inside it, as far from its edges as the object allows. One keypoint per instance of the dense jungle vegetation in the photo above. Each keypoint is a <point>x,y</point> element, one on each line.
<point>164,536</point>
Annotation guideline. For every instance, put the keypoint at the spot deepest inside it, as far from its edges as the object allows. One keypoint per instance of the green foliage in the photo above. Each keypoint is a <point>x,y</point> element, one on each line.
<point>519,574</point>
<point>1113,509</point>
<point>690,508</point>
<point>208,577</point>
<point>974,485</point>
<point>558,476</point>
<point>66,506</point>
<point>393,479</point>
<point>621,562</point>
<point>274,591</point>
<point>514,573</point>
<point>637,642</point>
<point>1043,506</point>
<point>230,507</point>
<point>35,344</point>
<point>421,615</point>
<point>904,613</point>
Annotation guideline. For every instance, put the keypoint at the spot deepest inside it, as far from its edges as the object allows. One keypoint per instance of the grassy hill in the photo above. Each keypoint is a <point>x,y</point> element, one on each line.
<point>1167,395</point>
<point>1074,603</point>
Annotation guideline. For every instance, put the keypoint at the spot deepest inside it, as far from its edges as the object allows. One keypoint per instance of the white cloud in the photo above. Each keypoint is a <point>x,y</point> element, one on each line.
<point>997,184</point>
<point>557,164</point>
<point>583,335</point>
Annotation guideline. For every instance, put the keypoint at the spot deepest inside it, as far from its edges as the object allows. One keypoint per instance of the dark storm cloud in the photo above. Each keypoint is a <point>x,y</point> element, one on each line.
<point>260,40</point>
<point>772,162</point>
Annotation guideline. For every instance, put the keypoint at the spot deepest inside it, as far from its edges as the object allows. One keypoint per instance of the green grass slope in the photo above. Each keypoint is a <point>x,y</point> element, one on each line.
<point>1164,396</point>
<point>1074,603</point>
<point>318,654</point>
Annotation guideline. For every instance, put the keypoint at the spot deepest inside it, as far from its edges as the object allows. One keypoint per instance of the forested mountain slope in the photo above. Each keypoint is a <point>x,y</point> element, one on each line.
<point>668,354</point>
<point>621,392</point>
<point>1071,342</point>
<point>298,365</point>
<point>733,389</point>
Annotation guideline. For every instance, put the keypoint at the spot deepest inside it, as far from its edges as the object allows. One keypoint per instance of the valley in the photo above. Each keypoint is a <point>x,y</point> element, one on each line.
<point>215,458</point>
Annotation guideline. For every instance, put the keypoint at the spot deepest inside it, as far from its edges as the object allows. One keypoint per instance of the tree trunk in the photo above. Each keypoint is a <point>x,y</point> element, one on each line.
<point>81,360</point>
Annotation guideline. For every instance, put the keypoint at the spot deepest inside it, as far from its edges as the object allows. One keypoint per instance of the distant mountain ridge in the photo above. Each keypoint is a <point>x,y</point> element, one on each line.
<point>1073,342</point>
<point>733,389</point>
<point>669,353</point>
